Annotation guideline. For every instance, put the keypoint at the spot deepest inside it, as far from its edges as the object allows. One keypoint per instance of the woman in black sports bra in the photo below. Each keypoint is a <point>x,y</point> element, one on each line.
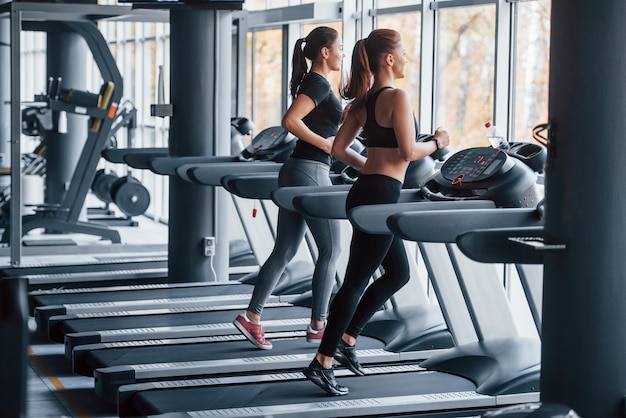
<point>384,114</point>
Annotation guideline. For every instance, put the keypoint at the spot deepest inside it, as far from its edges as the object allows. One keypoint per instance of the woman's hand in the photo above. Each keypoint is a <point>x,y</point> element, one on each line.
<point>328,144</point>
<point>341,149</point>
<point>443,137</point>
<point>344,114</point>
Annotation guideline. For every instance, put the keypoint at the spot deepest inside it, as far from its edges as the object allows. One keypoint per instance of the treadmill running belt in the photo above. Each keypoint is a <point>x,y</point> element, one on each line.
<point>153,402</point>
<point>141,294</point>
<point>174,319</point>
<point>205,351</point>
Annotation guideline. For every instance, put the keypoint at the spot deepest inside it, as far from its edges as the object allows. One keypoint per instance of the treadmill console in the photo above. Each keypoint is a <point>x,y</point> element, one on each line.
<point>474,164</point>
<point>271,144</point>
<point>484,173</point>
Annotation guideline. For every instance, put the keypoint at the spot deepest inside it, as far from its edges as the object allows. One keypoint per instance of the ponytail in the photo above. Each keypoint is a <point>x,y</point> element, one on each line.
<point>360,76</point>
<point>299,68</point>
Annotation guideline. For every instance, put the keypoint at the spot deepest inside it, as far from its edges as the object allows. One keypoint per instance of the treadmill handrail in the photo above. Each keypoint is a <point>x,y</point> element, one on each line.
<point>251,185</point>
<point>141,160</point>
<point>331,204</point>
<point>210,174</point>
<point>497,245</point>
<point>327,205</point>
<point>445,226</point>
<point>283,196</point>
<point>116,155</point>
<point>167,166</point>
<point>373,218</point>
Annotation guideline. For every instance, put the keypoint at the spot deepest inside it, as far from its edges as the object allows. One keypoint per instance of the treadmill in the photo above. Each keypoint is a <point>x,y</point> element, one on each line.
<point>101,272</point>
<point>172,296</point>
<point>197,358</point>
<point>189,325</point>
<point>61,325</point>
<point>131,364</point>
<point>110,330</point>
<point>262,159</point>
<point>388,389</point>
<point>524,247</point>
<point>51,302</point>
<point>109,379</point>
<point>486,385</point>
<point>427,335</point>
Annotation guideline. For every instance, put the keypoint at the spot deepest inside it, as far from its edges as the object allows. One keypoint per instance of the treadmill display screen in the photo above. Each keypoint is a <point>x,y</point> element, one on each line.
<point>474,164</point>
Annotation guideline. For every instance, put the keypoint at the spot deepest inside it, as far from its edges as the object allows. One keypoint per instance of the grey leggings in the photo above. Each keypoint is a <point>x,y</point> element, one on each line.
<point>290,231</point>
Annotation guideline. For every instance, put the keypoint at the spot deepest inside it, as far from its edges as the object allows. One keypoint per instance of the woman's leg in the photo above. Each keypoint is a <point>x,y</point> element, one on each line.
<point>289,233</point>
<point>327,238</point>
<point>290,230</point>
<point>396,275</point>
<point>327,235</point>
<point>366,254</point>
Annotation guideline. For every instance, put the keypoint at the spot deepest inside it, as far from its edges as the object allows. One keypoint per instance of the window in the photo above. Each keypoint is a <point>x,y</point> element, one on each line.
<point>265,78</point>
<point>465,73</point>
<point>408,24</point>
<point>532,67</point>
<point>141,50</point>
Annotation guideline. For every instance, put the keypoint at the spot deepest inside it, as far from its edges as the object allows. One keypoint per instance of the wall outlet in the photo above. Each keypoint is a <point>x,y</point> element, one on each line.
<point>209,246</point>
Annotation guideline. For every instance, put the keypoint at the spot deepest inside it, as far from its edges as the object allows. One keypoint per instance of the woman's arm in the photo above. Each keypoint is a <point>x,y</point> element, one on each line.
<point>404,128</point>
<point>292,121</point>
<point>343,140</point>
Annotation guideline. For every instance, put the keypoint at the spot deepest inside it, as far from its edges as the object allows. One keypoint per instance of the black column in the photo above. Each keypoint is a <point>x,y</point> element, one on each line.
<point>584,337</point>
<point>14,339</point>
<point>200,95</point>
<point>66,57</point>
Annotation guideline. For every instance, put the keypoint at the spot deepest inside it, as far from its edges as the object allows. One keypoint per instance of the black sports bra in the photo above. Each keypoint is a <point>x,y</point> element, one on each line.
<point>376,135</point>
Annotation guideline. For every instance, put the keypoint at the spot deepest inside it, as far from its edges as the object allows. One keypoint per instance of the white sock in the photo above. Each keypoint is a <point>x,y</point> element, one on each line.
<point>247,318</point>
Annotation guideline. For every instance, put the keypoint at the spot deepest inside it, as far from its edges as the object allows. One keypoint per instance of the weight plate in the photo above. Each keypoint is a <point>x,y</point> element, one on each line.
<point>130,196</point>
<point>101,185</point>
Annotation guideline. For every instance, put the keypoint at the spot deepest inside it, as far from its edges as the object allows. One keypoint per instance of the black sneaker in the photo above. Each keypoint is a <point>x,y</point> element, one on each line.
<point>346,356</point>
<point>324,378</point>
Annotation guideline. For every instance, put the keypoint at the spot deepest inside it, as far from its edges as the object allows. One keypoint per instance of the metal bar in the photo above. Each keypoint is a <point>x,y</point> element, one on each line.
<point>417,7</point>
<point>15,227</point>
<point>439,5</point>
<point>285,15</point>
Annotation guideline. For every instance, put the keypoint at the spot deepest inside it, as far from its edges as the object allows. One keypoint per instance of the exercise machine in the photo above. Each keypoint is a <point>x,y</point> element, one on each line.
<point>101,109</point>
<point>411,391</point>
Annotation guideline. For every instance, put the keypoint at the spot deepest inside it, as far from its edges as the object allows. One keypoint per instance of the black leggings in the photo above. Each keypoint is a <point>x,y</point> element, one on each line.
<point>349,312</point>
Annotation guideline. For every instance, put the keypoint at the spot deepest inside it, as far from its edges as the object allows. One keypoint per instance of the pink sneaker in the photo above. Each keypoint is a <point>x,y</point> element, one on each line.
<point>314,336</point>
<point>253,332</point>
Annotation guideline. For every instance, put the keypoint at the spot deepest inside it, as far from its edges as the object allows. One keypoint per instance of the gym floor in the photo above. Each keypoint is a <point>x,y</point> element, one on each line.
<point>53,390</point>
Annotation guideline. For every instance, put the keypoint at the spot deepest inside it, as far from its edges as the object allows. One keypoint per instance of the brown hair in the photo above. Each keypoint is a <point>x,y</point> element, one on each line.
<point>318,38</point>
<point>367,59</point>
